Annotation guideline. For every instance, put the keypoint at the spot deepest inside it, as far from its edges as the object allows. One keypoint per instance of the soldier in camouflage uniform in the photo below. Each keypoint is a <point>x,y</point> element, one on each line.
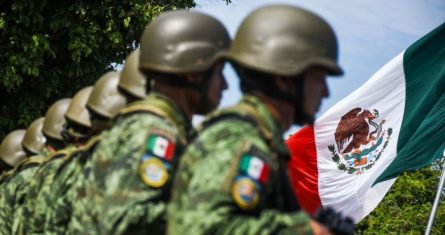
<point>11,153</point>
<point>74,132</point>
<point>233,177</point>
<point>30,154</point>
<point>128,186</point>
<point>132,83</point>
<point>103,104</point>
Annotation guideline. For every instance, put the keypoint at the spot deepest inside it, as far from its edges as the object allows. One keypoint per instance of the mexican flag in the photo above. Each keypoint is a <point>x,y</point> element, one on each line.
<point>255,168</point>
<point>161,147</point>
<point>395,122</point>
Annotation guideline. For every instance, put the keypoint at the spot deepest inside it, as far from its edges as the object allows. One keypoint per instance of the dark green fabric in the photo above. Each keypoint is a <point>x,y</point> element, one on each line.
<point>202,201</point>
<point>110,197</point>
<point>422,134</point>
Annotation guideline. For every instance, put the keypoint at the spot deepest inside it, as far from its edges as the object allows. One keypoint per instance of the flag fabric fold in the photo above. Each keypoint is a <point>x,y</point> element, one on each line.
<point>394,123</point>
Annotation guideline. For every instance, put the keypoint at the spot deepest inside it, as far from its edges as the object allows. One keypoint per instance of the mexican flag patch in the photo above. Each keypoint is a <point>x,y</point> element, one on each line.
<point>161,147</point>
<point>255,168</point>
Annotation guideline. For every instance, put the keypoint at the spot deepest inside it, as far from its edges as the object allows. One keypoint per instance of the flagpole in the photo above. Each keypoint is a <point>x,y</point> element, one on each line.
<point>436,200</point>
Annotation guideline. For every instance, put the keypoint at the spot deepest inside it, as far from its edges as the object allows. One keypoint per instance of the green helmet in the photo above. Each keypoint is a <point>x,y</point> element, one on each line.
<point>285,40</point>
<point>11,151</point>
<point>55,119</point>
<point>77,111</point>
<point>34,141</point>
<point>105,99</point>
<point>132,81</point>
<point>182,42</point>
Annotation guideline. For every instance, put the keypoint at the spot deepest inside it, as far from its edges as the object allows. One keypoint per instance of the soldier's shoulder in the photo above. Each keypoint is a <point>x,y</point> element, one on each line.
<point>228,132</point>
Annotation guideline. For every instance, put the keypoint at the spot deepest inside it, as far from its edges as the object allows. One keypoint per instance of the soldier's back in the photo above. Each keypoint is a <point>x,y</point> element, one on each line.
<point>126,182</point>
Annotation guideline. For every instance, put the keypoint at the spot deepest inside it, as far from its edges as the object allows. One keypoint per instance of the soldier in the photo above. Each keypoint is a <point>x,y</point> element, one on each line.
<point>35,145</point>
<point>11,152</point>
<point>74,132</point>
<point>54,124</point>
<point>128,187</point>
<point>132,83</point>
<point>233,178</point>
<point>34,142</point>
<point>103,104</point>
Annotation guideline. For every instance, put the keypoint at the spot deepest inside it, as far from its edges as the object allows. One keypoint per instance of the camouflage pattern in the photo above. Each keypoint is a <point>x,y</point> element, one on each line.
<point>111,196</point>
<point>14,191</point>
<point>4,177</point>
<point>31,220</point>
<point>59,209</point>
<point>202,198</point>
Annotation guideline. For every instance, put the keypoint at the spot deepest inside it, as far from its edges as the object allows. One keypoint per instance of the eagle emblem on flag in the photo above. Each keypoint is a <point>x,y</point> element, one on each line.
<point>360,140</point>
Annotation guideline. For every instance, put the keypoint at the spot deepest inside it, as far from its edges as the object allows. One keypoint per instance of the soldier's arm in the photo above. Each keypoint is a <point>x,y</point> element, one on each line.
<point>219,199</point>
<point>58,213</point>
<point>128,178</point>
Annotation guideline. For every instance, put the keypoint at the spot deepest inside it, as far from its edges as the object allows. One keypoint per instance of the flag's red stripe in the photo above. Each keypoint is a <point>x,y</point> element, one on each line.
<point>264,174</point>
<point>170,151</point>
<point>303,168</point>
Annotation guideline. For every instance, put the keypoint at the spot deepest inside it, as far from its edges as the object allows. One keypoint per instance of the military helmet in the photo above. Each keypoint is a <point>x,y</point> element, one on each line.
<point>11,151</point>
<point>77,111</point>
<point>105,99</point>
<point>285,40</point>
<point>34,141</point>
<point>55,119</point>
<point>132,81</point>
<point>182,42</point>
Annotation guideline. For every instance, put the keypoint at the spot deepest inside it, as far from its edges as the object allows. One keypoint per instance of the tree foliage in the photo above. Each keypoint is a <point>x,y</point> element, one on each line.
<point>50,49</point>
<point>407,206</point>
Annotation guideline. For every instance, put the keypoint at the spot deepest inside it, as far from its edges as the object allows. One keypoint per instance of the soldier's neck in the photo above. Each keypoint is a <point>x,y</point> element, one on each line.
<point>282,112</point>
<point>186,99</point>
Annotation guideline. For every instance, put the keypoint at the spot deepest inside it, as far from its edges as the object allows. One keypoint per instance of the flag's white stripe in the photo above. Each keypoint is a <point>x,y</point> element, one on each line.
<point>374,196</point>
<point>255,167</point>
<point>385,91</point>
<point>160,146</point>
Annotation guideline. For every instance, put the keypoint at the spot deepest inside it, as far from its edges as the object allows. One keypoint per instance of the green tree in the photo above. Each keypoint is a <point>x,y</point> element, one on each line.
<point>50,49</point>
<point>407,206</point>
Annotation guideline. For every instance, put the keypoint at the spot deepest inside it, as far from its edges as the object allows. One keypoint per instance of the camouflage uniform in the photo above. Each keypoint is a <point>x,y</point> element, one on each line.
<point>214,192</point>
<point>31,220</point>
<point>58,210</point>
<point>4,177</point>
<point>127,179</point>
<point>14,191</point>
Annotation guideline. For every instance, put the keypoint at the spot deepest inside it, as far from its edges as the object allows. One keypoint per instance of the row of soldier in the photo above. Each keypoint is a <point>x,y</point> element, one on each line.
<point>122,157</point>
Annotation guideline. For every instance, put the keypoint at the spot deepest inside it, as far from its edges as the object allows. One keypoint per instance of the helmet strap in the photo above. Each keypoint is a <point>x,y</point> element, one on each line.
<point>300,116</point>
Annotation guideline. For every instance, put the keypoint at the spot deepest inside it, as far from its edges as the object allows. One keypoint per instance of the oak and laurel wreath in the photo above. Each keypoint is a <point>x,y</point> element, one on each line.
<point>351,170</point>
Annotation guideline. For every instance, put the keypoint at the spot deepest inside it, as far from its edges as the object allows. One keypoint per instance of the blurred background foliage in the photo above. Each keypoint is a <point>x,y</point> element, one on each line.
<point>50,49</point>
<point>407,206</point>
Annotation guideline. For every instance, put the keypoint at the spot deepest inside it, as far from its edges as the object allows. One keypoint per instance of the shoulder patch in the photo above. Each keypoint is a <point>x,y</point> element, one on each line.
<point>253,174</point>
<point>156,161</point>
<point>153,171</point>
<point>252,164</point>
<point>246,192</point>
<point>161,146</point>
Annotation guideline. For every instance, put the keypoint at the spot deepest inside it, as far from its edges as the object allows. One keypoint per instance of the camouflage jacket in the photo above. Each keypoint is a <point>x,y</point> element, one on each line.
<point>127,179</point>
<point>58,210</point>
<point>31,220</point>
<point>14,191</point>
<point>232,178</point>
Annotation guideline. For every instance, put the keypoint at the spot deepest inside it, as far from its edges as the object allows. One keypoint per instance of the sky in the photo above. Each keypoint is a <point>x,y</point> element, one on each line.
<point>370,33</point>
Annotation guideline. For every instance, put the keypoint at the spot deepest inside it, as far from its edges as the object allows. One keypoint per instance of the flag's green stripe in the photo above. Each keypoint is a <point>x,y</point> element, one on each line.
<point>151,143</point>
<point>245,161</point>
<point>422,134</point>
